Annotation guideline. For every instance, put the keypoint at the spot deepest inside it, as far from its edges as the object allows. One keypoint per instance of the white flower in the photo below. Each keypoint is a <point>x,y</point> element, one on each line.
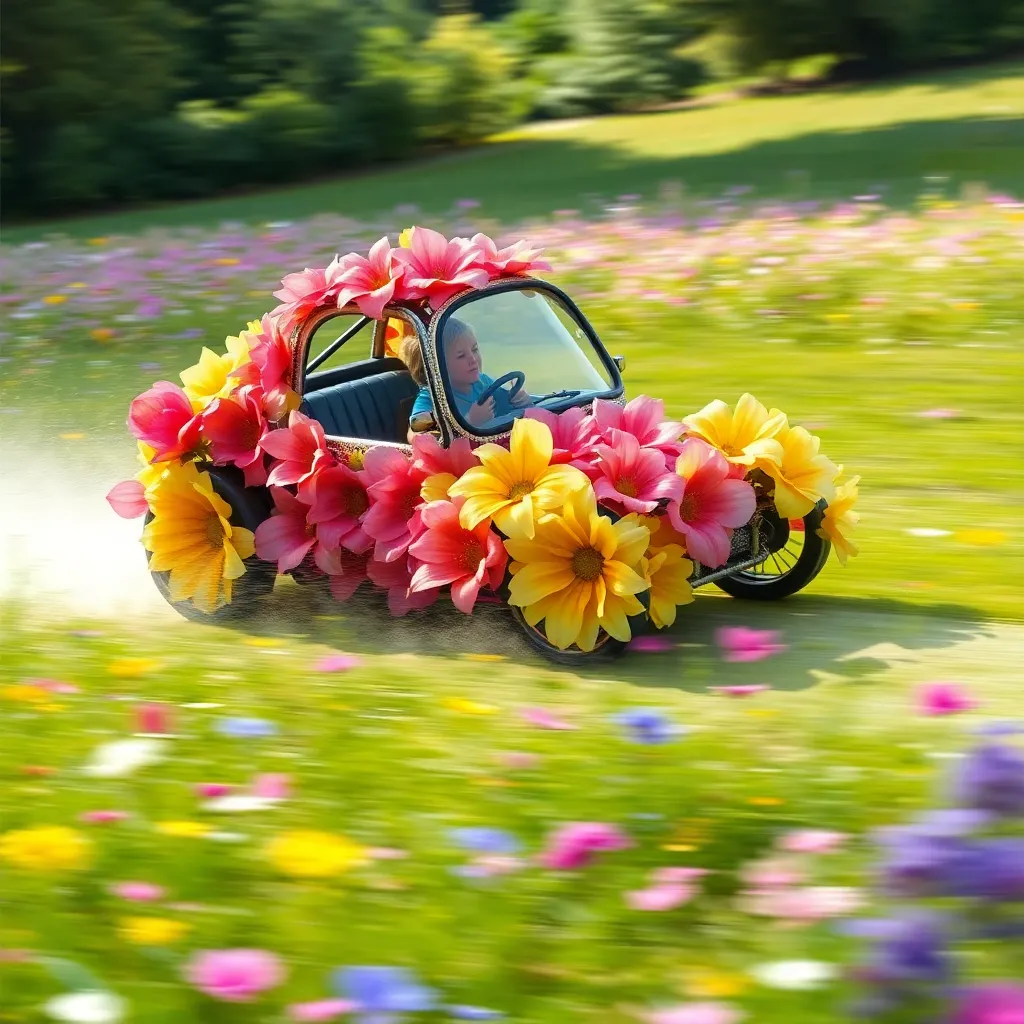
<point>794,974</point>
<point>122,757</point>
<point>86,1008</point>
<point>236,802</point>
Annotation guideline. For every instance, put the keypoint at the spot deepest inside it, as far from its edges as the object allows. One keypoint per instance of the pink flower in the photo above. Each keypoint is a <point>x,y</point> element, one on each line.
<point>811,840</point>
<point>773,873</point>
<point>712,503</point>
<point>573,846</point>
<point>520,760</point>
<point>369,283</point>
<point>518,258</point>
<point>352,574</point>
<point>574,433</point>
<point>153,718</point>
<point>212,790</point>
<point>338,500</point>
<point>128,499</point>
<point>338,663</point>
<point>321,1009</point>
<point>450,554</point>
<point>393,486</point>
<point>271,354</point>
<point>234,975</point>
<point>300,294</point>
<point>543,719</point>
<point>286,537</point>
<point>102,817</point>
<point>740,644</point>
<point>271,786</point>
<point>644,418</point>
<point>138,892</point>
<point>694,1013</point>
<point>395,577</point>
<point>52,685</point>
<point>631,478</point>
<point>809,903</point>
<point>943,699</point>
<point>301,447</point>
<point>162,417</point>
<point>236,429</point>
<point>429,457</point>
<point>747,690</point>
<point>996,1002</point>
<point>650,644</point>
<point>436,269</point>
<point>669,888</point>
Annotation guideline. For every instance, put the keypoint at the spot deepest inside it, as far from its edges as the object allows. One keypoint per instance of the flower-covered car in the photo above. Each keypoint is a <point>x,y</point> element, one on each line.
<point>483,447</point>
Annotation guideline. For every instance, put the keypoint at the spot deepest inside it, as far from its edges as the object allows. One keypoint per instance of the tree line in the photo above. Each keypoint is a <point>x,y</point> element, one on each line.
<point>114,101</point>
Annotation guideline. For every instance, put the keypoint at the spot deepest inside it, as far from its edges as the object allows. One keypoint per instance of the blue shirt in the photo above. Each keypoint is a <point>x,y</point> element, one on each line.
<point>465,399</point>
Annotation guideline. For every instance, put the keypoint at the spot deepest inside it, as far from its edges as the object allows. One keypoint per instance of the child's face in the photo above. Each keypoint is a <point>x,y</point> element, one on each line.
<point>462,358</point>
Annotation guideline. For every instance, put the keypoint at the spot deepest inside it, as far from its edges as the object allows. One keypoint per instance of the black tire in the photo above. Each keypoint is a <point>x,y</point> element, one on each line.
<point>250,506</point>
<point>797,556</point>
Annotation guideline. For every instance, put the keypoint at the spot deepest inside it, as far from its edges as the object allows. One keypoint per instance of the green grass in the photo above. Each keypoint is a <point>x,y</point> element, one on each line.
<point>962,125</point>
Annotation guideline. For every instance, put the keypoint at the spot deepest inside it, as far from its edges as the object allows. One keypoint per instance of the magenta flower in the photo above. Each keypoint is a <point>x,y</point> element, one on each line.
<point>349,573</point>
<point>128,499</point>
<point>236,429</point>
<point>153,718</point>
<point>544,719</point>
<point>997,1002</point>
<point>393,486</point>
<point>395,577</point>
<point>321,1009</point>
<point>431,459</point>
<point>300,294</point>
<point>301,447</point>
<point>271,786</point>
<point>338,501</point>
<point>436,269</point>
<point>713,503</point>
<point>449,554</point>
<point>573,846</point>
<point>369,283</point>
<point>651,644</point>
<point>747,690</point>
<point>740,644</point>
<point>668,888</point>
<point>943,699</point>
<point>287,536</point>
<point>574,433</point>
<point>138,892</point>
<point>338,663</point>
<point>212,790</point>
<point>162,417</point>
<point>102,817</point>
<point>644,418</point>
<point>518,258</point>
<point>630,478</point>
<point>270,352</point>
<point>234,975</point>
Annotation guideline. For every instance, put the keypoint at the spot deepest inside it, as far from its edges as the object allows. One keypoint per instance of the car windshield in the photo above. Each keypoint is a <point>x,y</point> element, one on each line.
<point>529,335</point>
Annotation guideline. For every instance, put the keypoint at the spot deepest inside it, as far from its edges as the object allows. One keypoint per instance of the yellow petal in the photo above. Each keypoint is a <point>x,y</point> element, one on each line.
<point>538,580</point>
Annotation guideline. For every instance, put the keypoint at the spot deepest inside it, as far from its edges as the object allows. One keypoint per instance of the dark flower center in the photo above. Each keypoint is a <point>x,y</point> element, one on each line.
<point>587,563</point>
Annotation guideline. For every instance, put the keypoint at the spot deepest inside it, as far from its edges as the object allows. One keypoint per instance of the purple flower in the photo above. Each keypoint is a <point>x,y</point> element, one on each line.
<point>485,840</point>
<point>991,778</point>
<point>921,860</point>
<point>473,1013</point>
<point>383,990</point>
<point>909,951</point>
<point>648,725</point>
<point>991,870</point>
<point>247,728</point>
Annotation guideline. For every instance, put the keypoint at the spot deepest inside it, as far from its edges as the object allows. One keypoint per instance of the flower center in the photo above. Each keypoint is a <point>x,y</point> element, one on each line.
<point>520,490</point>
<point>355,460</point>
<point>355,501</point>
<point>689,508</point>
<point>408,503</point>
<point>250,435</point>
<point>471,555</point>
<point>731,450</point>
<point>587,563</point>
<point>214,531</point>
<point>624,485</point>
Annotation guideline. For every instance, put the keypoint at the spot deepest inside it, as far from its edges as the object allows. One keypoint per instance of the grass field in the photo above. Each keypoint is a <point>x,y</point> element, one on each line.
<point>890,327</point>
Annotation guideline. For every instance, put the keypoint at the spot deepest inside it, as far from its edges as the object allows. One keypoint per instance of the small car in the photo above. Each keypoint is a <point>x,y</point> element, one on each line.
<point>542,359</point>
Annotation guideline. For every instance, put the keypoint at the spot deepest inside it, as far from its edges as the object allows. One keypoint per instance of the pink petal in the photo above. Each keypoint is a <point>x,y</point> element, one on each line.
<point>128,499</point>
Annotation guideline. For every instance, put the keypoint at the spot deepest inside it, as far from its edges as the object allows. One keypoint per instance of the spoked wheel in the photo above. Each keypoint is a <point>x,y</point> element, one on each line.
<point>797,555</point>
<point>249,507</point>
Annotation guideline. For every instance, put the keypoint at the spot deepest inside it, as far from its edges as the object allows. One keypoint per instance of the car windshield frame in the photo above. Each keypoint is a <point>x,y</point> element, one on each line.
<point>441,389</point>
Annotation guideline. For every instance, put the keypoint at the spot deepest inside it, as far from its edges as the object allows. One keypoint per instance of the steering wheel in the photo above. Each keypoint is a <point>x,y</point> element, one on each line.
<point>513,375</point>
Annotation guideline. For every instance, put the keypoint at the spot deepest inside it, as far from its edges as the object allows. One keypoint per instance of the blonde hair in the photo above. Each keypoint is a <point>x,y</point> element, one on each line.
<point>411,354</point>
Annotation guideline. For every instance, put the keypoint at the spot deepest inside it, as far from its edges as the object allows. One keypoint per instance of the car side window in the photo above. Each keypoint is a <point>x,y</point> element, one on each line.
<point>355,350</point>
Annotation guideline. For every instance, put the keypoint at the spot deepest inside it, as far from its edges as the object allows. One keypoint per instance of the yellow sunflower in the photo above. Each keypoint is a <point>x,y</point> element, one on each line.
<point>803,475</point>
<point>190,537</point>
<point>513,486</point>
<point>579,573</point>
<point>840,519</point>
<point>213,376</point>
<point>746,437</point>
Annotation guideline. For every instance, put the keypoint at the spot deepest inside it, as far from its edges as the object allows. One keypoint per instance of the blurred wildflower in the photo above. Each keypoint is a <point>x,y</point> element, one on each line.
<point>102,817</point>
<point>379,992</point>
<point>996,1002</point>
<point>991,778</point>
<point>740,644</point>
<point>133,668</point>
<point>234,975</point>
<point>668,888</point>
<point>311,854</point>
<point>338,663</point>
<point>943,699</point>
<point>151,931</point>
<point>574,845</point>
<point>138,892</point>
<point>648,725</point>
<point>123,757</point>
<point>794,974</point>
<point>744,690</point>
<point>182,829</point>
<point>544,719</point>
<point>321,1009</point>
<point>247,728</point>
<point>86,1007</point>
<point>46,848</point>
<point>486,840</point>
<point>694,1013</point>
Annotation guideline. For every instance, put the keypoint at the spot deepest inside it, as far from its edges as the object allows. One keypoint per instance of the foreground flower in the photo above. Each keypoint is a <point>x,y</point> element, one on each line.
<point>128,499</point>
<point>46,848</point>
<point>368,282</point>
<point>991,778</point>
<point>740,644</point>
<point>943,699</point>
<point>648,725</point>
<point>574,846</point>
<point>395,578</point>
<point>337,498</point>
<point>120,758</point>
<point>449,554</point>
<point>437,268</point>
<point>668,571</point>
<point>518,258</point>
<point>151,931</point>
<point>839,520</point>
<point>310,854</point>
<point>393,486</point>
<point>379,992</point>
<point>272,356</point>
<point>996,1002</point>
<point>442,466</point>
<point>630,478</point>
<point>86,1007</point>
<point>515,485</point>
<point>216,376</point>
<point>668,888</point>
<point>803,476</point>
<point>694,1013</point>
<point>163,419</point>
<point>711,505</point>
<point>579,573</point>
<point>301,448</point>
<point>746,437</point>
<point>300,294</point>
<point>234,975</point>
<point>287,536</point>
<point>574,433</point>
<point>235,428</point>
<point>644,418</point>
<point>191,537</point>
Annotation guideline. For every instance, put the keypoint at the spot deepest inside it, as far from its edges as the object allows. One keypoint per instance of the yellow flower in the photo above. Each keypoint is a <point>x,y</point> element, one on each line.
<point>151,931</point>
<point>310,854</point>
<point>24,694</point>
<point>182,829</point>
<point>436,487</point>
<point>803,475</point>
<point>132,668</point>
<point>214,375</point>
<point>101,334</point>
<point>579,573</point>
<point>54,300</point>
<point>746,436</point>
<point>190,536</point>
<point>668,572</point>
<point>513,486</point>
<point>840,519</point>
<point>46,848</point>
<point>711,983</point>
<point>468,707</point>
<point>405,238</point>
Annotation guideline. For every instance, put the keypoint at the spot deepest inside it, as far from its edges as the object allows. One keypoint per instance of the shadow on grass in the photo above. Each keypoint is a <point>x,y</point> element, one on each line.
<point>850,640</point>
